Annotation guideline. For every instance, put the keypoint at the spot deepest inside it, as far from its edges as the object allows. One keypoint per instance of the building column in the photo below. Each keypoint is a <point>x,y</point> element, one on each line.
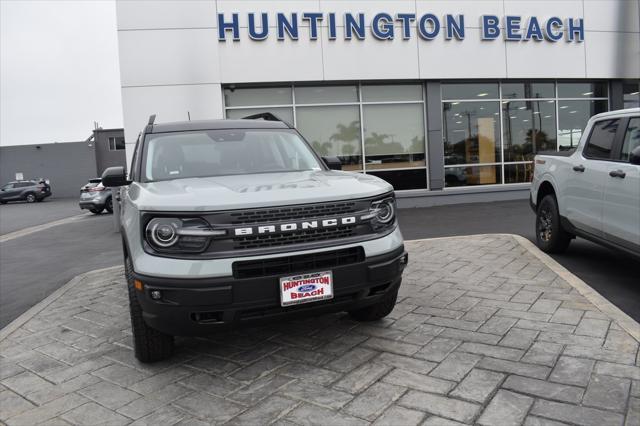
<point>435,146</point>
<point>616,95</point>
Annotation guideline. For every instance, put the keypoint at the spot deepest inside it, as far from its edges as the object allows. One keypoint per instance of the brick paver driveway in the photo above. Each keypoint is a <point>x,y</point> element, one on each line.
<point>483,333</point>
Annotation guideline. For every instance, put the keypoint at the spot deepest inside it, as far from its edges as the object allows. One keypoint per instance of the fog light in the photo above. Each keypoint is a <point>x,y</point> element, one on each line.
<point>404,260</point>
<point>156,295</point>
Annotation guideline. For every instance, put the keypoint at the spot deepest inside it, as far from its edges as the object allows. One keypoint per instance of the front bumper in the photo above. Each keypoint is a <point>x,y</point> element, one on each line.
<point>203,306</point>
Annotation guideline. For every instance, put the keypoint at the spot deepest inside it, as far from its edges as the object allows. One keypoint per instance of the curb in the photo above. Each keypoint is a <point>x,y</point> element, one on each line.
<point>612,311</point>
<point>34,310</point>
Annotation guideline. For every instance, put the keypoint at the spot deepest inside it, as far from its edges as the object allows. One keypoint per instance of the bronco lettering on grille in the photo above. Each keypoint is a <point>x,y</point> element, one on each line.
<point>295,226</point>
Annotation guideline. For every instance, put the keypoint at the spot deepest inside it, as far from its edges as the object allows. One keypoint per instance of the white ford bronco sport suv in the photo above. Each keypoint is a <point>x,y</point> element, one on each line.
<point>225,222</point>
<point>594,191</point>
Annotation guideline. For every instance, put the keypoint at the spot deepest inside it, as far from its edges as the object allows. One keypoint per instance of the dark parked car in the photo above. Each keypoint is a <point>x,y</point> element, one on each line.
<point>95,197</point>
<point>25,190</point>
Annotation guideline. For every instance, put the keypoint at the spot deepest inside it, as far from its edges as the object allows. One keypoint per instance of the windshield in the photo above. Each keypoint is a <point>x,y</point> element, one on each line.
<point>207,153</point>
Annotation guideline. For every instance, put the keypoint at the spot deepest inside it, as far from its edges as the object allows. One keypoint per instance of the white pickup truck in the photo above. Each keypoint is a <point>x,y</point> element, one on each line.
<point>594,191</point>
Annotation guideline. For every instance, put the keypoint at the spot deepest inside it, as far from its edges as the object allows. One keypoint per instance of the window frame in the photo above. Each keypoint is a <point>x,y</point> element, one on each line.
<point>615,144</point>
<point>619,141</point>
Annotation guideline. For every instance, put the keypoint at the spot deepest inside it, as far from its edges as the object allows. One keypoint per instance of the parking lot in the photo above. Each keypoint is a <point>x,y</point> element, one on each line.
<point>35,265</point>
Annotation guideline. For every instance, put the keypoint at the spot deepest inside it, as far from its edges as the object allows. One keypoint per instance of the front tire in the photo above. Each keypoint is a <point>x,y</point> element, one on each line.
<point>378,311</point>
<point>550,236</point>
<point>149,345</point>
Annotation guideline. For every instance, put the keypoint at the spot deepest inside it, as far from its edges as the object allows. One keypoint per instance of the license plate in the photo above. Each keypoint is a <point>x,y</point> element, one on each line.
<point>306,288</point>
<point>85,195</point>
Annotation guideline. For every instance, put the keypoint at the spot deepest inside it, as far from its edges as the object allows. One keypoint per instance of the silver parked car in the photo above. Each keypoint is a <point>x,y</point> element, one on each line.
<point>96,197</point>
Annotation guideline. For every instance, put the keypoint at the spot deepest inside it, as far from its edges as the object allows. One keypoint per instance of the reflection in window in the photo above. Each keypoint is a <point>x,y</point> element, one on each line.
<point>631,94</point>
<point>326,94</point>
<point>404,179</point>
<point>572,119</point>
<point>518,173</point>
<point>333,131</point>
<point>527,90</point>
<point>582,90</point>
<point>396,92</point>
<point>472,131</point>
<point>285,113</point>
<point>473,175</point>
<point>394,136</point>
<point>470,91</point>
<point>631,138</point>
<point>529,127</point>
<point>601,139</point>
<point>257,96</point>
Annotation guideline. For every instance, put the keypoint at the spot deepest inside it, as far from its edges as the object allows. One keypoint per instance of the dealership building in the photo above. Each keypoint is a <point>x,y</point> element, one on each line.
<point>447,100</point>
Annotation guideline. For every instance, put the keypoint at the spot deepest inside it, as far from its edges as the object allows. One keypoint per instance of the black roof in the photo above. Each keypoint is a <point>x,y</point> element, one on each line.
<point>182,126</point>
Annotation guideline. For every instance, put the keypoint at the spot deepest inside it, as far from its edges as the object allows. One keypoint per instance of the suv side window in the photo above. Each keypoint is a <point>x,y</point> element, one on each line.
<point>8,186</point>
<point>601,139</point>
<point>631,138</point>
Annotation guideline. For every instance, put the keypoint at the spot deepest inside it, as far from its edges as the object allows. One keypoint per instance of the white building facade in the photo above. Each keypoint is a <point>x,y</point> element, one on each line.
<point>447,100</point>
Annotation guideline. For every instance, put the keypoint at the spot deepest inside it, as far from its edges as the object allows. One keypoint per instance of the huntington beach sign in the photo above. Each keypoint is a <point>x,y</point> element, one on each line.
<point>384,26</point>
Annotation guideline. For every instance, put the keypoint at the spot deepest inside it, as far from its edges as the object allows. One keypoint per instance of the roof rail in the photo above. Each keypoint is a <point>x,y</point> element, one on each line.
<point>266,116</point>
<point>152,119</point>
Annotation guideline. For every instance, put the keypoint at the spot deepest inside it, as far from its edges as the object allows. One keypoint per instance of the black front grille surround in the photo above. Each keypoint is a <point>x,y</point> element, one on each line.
<point>297,263</point>
<point>232,245</point>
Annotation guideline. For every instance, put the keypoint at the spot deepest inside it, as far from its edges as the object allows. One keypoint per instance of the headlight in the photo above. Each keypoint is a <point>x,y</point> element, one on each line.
<point>179,234</point>
<point>382,213</point>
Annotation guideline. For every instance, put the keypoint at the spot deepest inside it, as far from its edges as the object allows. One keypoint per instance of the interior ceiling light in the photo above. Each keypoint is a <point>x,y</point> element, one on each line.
<point>564,106</point>
<point>572,112</point>
<point>480,95</point>
<point>587,94</point>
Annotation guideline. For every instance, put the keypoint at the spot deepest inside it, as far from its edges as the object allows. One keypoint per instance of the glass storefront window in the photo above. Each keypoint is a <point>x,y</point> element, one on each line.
<point>472,175</point>
<point>528,90</point>
<point>285,113</point>
<point>518,173</point>
<point>404,179</point>
<point>326,94</point>
<point>631,94</point>
<point>386,93</point>
<point>472,132</point>
<point>529,127</point>
<point>470,91</point>
<point>333,131</point>
<point>234,97</point>
<point>394,136</point>
<point>573,117</point>
<point>582,90</point>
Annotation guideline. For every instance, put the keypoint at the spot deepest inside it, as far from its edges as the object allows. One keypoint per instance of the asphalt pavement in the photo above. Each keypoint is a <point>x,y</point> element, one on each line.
<point>35,265</point>
<point>19,215</point>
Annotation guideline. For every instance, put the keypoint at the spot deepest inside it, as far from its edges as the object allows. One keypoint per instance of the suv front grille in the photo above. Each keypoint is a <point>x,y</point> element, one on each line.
<point>297,263</point>
<point>292,212</point>
<point>306,236</point>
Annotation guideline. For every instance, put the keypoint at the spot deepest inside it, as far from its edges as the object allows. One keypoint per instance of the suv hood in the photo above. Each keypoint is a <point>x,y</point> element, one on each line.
<point>255,190</point>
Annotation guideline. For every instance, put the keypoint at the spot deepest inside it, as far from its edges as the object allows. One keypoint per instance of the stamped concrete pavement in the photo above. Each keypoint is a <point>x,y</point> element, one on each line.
<point>486,331</point>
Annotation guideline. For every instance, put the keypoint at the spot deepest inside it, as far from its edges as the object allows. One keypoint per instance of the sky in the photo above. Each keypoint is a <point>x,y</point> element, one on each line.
<point>58,69</point>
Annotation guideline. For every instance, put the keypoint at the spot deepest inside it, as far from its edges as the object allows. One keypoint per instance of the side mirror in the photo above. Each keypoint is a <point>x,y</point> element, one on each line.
<point>634,157</point>
<point>332,163</point>
<point>115,176</point>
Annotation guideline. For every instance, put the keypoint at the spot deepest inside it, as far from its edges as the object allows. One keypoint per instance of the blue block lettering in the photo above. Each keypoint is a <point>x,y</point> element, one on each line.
<point>512,28</point>
<point>313,19</point>
<point>353,26</point>
<point>534,30</point>
<point>575,29</point>
<point>553,29</point>
<point>455,28</point>
<point>382,26</point>
<point>223,27</point>
<point>264,26</point>
<point>288,26</point>
<point>406,19</point>
<point>490,27</point>
<point>423,29</point>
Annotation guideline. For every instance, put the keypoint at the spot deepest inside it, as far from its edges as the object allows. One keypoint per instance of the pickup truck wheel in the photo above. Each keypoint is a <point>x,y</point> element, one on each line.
<point>550,236</point>
<point>377,311</point>
<point>150,345</point>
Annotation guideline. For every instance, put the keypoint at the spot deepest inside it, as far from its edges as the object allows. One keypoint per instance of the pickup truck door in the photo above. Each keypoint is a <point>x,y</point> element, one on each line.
<point>621,208</point>
<point>588,174</point>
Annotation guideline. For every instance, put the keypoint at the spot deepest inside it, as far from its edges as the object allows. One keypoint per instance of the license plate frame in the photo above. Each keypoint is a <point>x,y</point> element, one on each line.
<point>316,287</point>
